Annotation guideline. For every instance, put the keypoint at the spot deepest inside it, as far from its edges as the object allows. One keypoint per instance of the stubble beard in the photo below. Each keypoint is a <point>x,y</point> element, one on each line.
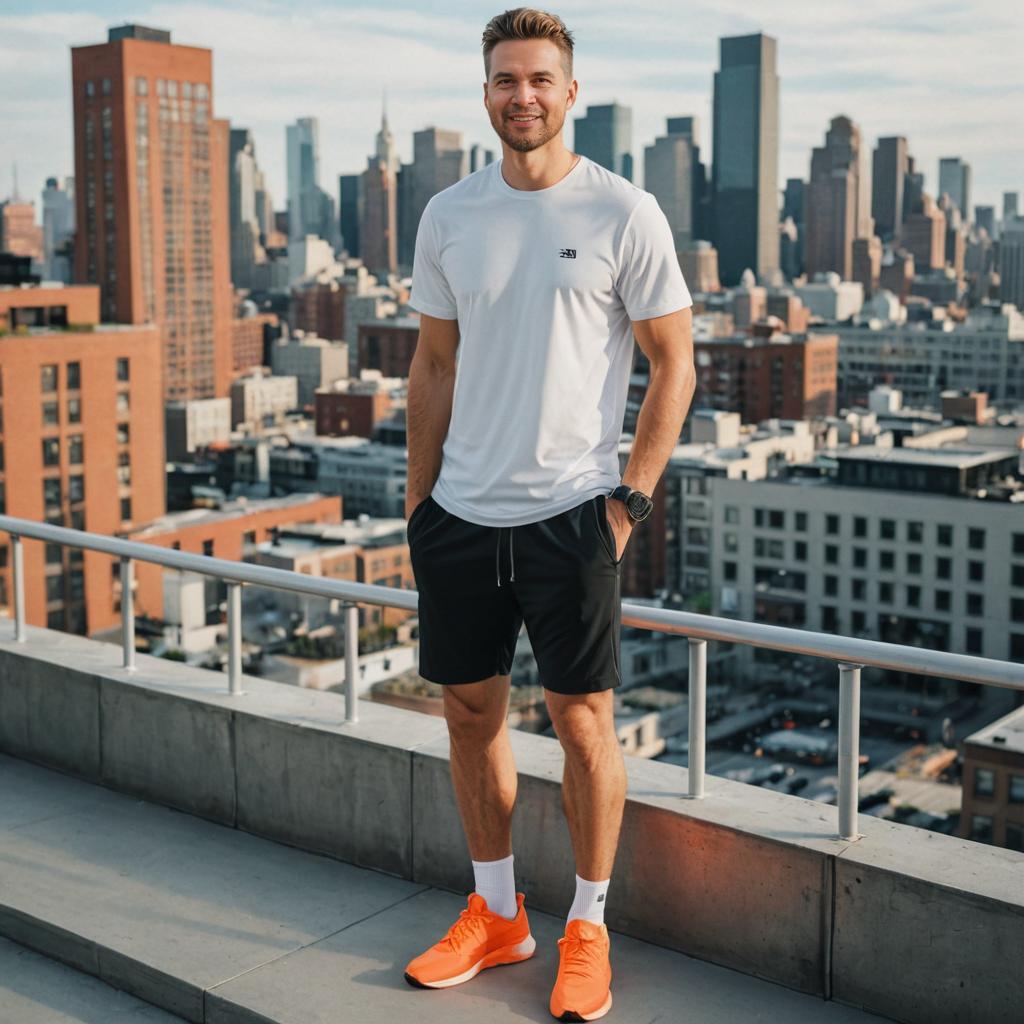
<point>525,143</point>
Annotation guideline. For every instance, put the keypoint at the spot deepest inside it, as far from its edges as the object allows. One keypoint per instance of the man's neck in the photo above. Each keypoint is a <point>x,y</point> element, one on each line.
<point>529,172</point>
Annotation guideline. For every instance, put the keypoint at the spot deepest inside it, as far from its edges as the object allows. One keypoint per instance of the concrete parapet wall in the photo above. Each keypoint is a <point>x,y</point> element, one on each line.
<point>913,925</point>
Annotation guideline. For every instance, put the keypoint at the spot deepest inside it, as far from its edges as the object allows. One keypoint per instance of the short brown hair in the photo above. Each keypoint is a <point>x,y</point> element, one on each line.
<point>528,23</point>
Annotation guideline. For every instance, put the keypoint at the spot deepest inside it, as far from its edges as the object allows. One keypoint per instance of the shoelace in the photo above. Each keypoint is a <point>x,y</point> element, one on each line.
<point>581,957</point>
<point>467,927</point>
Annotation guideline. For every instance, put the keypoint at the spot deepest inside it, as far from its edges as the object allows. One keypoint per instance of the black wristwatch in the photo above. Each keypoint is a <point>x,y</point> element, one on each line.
<point>638,505</point>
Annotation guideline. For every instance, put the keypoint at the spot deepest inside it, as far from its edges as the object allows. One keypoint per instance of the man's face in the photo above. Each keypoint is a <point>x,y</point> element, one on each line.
<point>527,80</point>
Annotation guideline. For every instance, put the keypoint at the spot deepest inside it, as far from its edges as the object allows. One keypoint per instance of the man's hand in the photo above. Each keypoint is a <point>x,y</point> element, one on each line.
<point>412,501</point>
<point>621,523</point>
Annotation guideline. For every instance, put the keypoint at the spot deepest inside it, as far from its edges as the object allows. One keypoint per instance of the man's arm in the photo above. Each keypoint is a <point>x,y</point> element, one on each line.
<point>667,342</point>
<point>429,406</point>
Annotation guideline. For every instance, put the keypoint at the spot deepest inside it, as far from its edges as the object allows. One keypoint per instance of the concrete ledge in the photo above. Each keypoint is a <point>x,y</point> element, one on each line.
<point>747,878</point>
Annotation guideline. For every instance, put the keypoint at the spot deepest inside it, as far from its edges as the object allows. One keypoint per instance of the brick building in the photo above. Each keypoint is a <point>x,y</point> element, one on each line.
<point>318,308</point>
<point>784,376</point>
<point>19,233</point>
<point>251,338</point>
<point>81,445</point>
<point>152,199</point>
<point>993,791</point>
<point>355,407</point>
<point>388,345</point>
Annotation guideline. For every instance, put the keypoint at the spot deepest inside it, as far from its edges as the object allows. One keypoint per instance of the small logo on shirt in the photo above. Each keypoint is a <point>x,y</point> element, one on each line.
<point>569,254</point>
<point>600,899</point>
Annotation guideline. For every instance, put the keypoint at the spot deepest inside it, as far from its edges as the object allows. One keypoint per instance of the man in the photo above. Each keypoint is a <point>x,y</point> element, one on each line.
<point>532,275</point>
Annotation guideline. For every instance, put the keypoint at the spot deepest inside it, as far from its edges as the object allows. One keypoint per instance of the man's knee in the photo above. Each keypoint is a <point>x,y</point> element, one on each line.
<point>584,724</point>
<point>476,712</point>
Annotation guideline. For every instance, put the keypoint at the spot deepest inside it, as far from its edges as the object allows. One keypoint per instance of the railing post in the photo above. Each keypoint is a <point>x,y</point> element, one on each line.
<point>235,639</point>
<point>127,616</point>
<point>351,663</point>
<point>849,748</point>
<point>18,563</point>
<point>698,715</point>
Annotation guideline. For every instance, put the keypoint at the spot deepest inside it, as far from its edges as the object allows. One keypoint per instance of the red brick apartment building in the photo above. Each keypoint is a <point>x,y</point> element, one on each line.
<point>81,443</point>
<point>151,190</point>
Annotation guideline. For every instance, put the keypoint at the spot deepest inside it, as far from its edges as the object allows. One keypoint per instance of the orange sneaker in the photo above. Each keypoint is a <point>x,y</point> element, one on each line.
<point>477,940</point>
<point>582,989</point>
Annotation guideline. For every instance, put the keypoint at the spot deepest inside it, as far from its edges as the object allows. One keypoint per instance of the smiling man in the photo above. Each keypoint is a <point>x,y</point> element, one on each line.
<point>533,276</point>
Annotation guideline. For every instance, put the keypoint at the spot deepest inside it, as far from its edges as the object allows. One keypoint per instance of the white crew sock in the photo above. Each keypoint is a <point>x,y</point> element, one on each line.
<point>589,901</point>
<point>495,881</point>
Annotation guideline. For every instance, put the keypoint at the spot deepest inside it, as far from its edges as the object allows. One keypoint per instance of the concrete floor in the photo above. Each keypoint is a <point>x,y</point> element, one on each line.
<point>219,926</point>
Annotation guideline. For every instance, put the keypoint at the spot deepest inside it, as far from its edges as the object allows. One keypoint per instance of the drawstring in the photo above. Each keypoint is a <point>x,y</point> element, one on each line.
<point>511,555</point>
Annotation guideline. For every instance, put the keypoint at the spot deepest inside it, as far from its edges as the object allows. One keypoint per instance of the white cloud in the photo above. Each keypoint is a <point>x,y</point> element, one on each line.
<point>945,74</point>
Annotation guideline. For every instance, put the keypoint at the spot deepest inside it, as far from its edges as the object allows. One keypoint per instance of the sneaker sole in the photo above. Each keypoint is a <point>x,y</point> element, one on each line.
<point>572,1015</point>
<point>506,955</point>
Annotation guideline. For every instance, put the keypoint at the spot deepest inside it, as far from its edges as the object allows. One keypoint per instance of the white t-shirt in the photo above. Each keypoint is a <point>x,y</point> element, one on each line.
<point>544,285</point>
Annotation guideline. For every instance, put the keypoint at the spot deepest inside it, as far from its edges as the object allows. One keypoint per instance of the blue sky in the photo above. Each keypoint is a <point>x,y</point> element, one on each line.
<point>948,75</point>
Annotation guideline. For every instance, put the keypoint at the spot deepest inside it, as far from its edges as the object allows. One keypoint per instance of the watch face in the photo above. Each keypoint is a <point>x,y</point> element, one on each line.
<point>639,506</point>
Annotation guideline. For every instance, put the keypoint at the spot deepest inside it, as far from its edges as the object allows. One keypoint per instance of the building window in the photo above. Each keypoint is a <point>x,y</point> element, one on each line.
<point>759,517</point>
<point>122,401</point>
<point>1014,836</point>
<point>141,86</point>
<point>54,588</point>
<point>51,414</point>
<point>914,563</point>
<point>74,376</point>
<point>731,541</point>
<point>123,433</point>
<point>973,640</point>
<point>976,571</point>
<point>1017,789</point>
<point>886,561</point>
<point>858,588</point>
<point>122,369</point>
<point>832,524</point>
<point>777,519</point>
<point>860,526</point>
<point>976,539</point>
<point>800,550</point>
<point>54,554</point>
<point>914,597</point>
<point>51,493</point>
<point>48,378</point>
<point>943,568</point>
<point>887,529</point>
<point>944,535</point>
<point>126,510</point>
<point>800,521</point>
<point>90,89</point>
<point>975,604</point>
<point>106,86</point>
<point>984,782</point>
<point>76,489</point>
<point>51,451</point>
<point>832,554</point>
<point>831,586</point>
<point>208,548</point>
<point>858,622</point>
<point>943,600</point>
<point>860,558</point>
<point>74,410</point>
<point>76,450</point>
<point>732,515</point>
<point>1018,543</point>
<point>915,531</point>
<point>981,828</point>
<point>729,570</point>
<point>885,593</point>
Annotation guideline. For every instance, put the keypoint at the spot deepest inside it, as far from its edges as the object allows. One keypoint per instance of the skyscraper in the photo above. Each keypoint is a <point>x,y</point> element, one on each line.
<point>438,160</point>
<point>378,232</point>
<point>152,199</point>
<point>837,200</point>
<point>689,128</point>
<point>1010,205</point>
<point>245,181</point>
<point>955,182</point>
<point>668,175</point>
<point>605,135</point>
<point>1011,263</point>
<point>311,210</point>
<point>58,227</point>
<point>350,209</point>
<point>924,236</point>
<point>888,170</point>
<point>745,171</point>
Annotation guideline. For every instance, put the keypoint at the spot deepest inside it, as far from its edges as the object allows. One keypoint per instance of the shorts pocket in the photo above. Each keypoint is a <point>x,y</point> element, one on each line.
<point>604,528</point>
<point>415,517</point>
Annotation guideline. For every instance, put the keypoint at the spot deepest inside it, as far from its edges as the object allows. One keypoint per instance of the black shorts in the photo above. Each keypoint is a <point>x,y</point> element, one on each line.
<point>478,584</point>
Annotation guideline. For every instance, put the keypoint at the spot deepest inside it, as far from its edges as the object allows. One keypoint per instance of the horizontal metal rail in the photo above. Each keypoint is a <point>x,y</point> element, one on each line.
<point>849,653</point>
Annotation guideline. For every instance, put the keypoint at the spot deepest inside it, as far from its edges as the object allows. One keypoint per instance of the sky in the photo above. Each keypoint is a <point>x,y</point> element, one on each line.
<point>946,74</point>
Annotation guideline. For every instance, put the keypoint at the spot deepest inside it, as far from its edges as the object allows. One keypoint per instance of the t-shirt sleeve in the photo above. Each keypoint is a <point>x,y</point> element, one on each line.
<point>650,282</point>
<point>430,293</point>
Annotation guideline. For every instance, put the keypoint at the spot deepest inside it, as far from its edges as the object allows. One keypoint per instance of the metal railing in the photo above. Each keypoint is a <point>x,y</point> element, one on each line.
<point>850,654</point>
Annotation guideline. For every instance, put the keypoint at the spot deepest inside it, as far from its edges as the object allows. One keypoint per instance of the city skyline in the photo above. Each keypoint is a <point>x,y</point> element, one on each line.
<point>328,66</point>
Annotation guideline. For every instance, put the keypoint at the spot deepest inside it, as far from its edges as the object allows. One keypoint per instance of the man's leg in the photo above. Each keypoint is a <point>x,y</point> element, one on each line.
<point>594,778</point>
<point>483,770</point>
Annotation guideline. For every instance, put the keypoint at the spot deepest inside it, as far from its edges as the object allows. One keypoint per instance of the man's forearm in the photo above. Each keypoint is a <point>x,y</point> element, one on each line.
<point>659,423</point>
<point>428,415</point>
